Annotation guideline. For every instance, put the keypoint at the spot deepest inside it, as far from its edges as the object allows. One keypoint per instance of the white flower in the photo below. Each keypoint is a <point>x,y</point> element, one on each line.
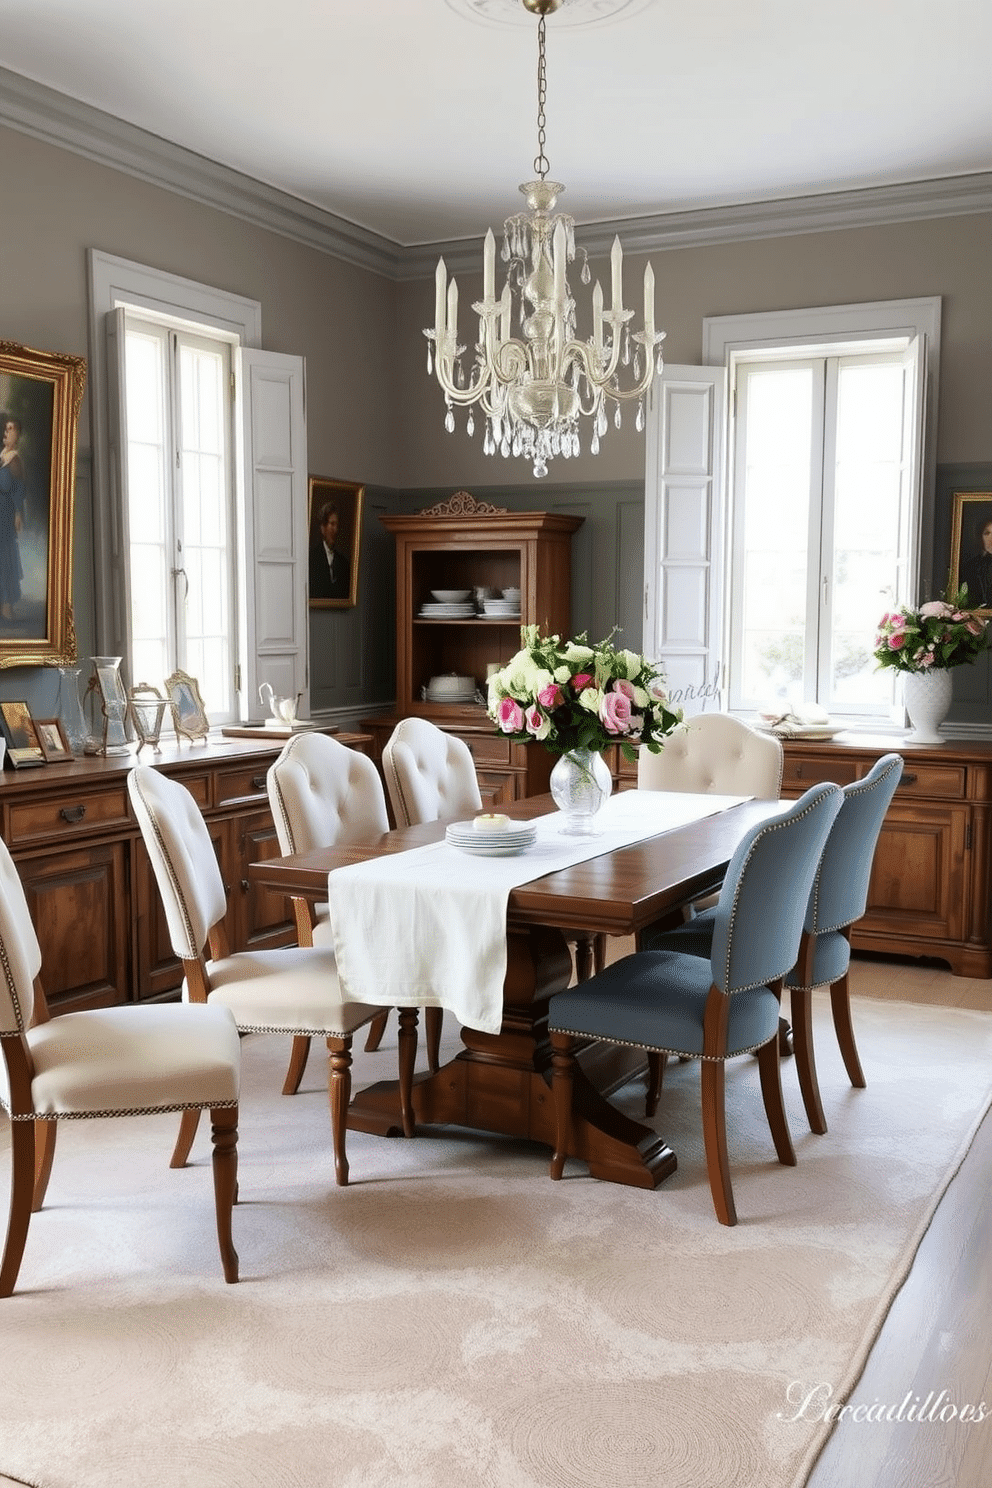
<point>563,674</point>
<point>590,699</point>
<point>641,698</point>
<point>575,652</point>
<point>632,663</point>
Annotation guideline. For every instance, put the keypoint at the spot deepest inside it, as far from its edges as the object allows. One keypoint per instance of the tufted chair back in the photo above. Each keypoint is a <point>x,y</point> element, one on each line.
<point>758,920</point>
<point>322,793</point>
<point>182,858</point>
<point>430,775</point>
<point>20,953</point>
<point>715,754</point>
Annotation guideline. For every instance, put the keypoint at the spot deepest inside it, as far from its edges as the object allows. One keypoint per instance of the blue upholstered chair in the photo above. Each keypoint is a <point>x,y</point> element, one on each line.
<point>677,1003</point>
<point>837,901</point>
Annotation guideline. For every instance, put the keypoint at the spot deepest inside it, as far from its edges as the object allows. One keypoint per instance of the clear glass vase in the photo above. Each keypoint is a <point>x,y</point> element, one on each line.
<point>71,709</point>
<point>580,783</point>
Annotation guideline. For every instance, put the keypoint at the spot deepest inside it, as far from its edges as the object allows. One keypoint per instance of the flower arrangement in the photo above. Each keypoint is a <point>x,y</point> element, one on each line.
<point>939,634</point>
<point>573,695</point>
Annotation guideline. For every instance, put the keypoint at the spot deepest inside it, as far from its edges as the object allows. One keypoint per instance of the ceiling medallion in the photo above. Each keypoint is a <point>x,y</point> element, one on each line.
<point>533,388</point>
<point>573,13</point>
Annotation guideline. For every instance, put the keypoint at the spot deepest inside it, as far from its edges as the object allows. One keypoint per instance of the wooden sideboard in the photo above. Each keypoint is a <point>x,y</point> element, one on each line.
<point>929,891</point>
<point>88,881</point>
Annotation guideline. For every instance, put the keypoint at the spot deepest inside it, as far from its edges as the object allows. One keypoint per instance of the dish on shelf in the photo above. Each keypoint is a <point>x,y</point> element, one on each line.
<point>513,596</point>
<point>451,596</point>
<point>501,607</point>
<point>461,699</point>
<point>430,611</point>
<point>451,682</point>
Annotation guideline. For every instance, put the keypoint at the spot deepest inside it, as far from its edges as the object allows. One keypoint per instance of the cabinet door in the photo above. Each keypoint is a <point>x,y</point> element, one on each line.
<point>80,905</point>
<point>919,882</point>
<point>257,918</point>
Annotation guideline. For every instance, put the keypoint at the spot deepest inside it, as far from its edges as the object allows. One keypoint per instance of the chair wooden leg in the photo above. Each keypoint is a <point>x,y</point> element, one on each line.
<point>840,1006</point>
<point>376,1029</point>
<point>770,1073</point>
<point>188,1123</point>
<point>712,1081</point>
<point>562,1076</point>
<point>21,1192</point>
<point>297,1063</point>
<point>656,1074</point>
<point>802,1039</point>
<point>433,1023</point>
<point>45,1133</point>
<point>339,1094</point>
<point>784,1038</point>
<point>224,1134</point>
<point>407,1059</point>
<point>584,957</point>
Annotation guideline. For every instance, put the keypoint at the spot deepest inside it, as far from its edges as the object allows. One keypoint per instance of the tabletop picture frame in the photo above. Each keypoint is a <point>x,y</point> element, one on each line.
<point>971,547</point>
<point>335,508</point>
<point>189,714</point>
<point>52,740</point>
<point>20,735</point>
<point>40,397</point>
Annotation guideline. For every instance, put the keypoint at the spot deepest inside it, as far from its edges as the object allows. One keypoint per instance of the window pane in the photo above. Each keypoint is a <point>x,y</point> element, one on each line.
<point>775,528</point>
<point>207,526</point>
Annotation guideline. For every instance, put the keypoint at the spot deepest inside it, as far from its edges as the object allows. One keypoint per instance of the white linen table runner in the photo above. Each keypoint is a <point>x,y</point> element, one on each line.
<point>427,928</point>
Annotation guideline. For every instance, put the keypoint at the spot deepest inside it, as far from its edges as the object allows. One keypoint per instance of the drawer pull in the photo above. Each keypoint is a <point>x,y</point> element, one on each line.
<point>909,779</point>
<point>258,781</point>
<point>72,814</point>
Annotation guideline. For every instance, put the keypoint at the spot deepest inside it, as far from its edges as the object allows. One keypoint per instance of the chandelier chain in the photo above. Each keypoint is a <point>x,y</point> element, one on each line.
<point>541,165</point>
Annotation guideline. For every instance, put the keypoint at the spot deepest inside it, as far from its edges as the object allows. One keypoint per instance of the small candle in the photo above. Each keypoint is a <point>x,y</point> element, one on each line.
<point>491,821</point>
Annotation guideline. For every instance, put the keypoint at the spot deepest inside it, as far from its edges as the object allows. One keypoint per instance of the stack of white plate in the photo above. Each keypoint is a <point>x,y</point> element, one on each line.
<point>505,609</point>
<point>507,842</point>
<point>438,610</point>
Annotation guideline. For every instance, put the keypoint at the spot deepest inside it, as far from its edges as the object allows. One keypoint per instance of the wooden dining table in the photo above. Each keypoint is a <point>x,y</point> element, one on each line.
<point>501,1083</point>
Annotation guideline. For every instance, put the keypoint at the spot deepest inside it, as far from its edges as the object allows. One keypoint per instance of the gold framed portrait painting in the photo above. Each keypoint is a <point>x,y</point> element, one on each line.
<point>335,542</point>
<point>971,548</point>
<point>40,396</point>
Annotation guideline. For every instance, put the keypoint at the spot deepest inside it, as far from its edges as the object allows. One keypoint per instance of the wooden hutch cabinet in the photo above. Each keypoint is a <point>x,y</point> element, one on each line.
<point>89,885</point>
<point>462,544</point>
<point>929,891</point>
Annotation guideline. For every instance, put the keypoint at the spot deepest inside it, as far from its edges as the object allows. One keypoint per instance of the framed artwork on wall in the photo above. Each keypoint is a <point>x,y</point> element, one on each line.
<point>971,547</point>
<point>40,396</point>
<point>335,541</point>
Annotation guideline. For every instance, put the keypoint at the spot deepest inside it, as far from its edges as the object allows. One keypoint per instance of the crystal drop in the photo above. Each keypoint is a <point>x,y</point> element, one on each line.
<point>601,424</point>
<point>504,252</point>
<point>487,444</point>
<point>504,448</point>
<point>449,421</point>
<point>625,352</point>
<point>470,426</point>
<point>659,365</point>
<point>617,420</point>
<point>540,466</point>
<point>430,361</point>
<point>639,420</point>
<point>594,443</point>
<point>637,366</point>
<point>459,375</point>
<point>565,450</point>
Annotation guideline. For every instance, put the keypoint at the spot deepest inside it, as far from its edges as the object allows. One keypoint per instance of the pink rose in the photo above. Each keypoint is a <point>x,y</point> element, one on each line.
<point>614,710</point>
<point>510,716</point>
<point>627,688</point>
<point>936,609</point>
<point>537,722</point>
<point>581,681</point>
<point>896,640</point>
<point>550,696</point>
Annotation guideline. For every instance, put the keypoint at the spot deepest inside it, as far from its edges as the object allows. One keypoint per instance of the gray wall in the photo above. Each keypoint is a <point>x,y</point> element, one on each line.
<point>376,417</point>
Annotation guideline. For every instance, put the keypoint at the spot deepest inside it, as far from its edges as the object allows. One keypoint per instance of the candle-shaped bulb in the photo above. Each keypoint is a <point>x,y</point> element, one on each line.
<point>489,269</point>
<point>440,291</point>
<point>616,268</point>
<point>505,312</point>
<point>648,306</point>
<point>597,316</point>
<point>558,248</point>
<point>453,308</point>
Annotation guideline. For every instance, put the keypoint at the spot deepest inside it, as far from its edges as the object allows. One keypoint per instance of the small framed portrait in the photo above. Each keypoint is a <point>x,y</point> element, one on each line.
<point>189,715</point>
<point>52,740</point>
<point>971,547</point>
<point>20,735</point>
<point>335,542</point>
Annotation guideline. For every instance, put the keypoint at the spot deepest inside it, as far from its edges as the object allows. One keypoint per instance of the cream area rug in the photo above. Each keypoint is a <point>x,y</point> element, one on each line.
<point>454,1319</point>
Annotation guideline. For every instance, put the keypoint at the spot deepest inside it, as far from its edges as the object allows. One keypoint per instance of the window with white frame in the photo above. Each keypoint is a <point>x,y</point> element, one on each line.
<point>180,508</point>
<point>767,568</point>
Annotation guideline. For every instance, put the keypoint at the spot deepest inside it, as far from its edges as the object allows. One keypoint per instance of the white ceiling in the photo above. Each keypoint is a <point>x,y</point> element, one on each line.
<point>416,119</point>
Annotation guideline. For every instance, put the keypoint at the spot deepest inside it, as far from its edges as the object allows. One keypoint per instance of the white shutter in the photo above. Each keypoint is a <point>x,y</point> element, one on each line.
<point>684,525</point>
<point>119,599</point>
<point>273,528</point>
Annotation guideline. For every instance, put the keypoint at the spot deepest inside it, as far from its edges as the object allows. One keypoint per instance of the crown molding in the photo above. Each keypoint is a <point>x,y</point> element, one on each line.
<point>34,109</point>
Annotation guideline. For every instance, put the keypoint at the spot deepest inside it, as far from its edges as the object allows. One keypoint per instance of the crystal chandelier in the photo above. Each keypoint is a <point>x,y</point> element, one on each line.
<point>534,388</point>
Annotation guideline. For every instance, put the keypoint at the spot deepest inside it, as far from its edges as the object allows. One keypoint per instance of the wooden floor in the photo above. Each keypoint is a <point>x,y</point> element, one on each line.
<point>938,1333</point>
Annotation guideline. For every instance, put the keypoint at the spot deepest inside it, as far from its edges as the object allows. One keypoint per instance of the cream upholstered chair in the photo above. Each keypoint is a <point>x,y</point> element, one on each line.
<point>430,776</point>
<point>116,1061</point>
<point>292,989</point>
<point>715,754</point>
<point>322,795</point>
